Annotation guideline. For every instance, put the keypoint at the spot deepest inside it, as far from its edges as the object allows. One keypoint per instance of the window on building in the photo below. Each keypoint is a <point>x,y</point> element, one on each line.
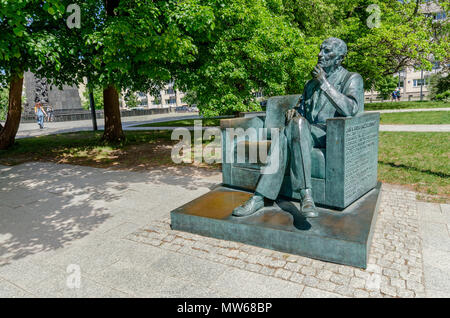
<point>418,82</point>
<point>143,102</point>
<point>440,15</point>
<point>157,100</point>
<point>171,101</point>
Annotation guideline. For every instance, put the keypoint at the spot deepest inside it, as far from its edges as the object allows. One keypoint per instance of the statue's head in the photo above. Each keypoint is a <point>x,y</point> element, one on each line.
<point>332,53</point>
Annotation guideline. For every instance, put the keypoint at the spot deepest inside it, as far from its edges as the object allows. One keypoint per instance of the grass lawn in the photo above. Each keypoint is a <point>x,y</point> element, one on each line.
<point>417,160</point>
<point>416,118</point>
<point>206,122</point>
<point>142,150</point>
<point>405,105</point>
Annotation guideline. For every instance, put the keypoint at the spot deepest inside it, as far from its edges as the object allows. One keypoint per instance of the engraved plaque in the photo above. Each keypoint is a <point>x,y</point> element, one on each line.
<point>352,158</point>
<point>360,158</point>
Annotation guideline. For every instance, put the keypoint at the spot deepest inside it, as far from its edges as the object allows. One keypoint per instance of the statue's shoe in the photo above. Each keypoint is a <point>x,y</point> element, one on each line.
<point>309,209</point>
<point>250,207</point>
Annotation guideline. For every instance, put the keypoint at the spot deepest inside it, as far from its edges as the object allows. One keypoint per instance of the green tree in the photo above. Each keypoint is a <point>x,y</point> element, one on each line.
<point>3,102</point>
<point>27,43</point>
<point>403,38</point>
<point>126,45</point>
<point>439,86</point>
<point>98,98</point>
<point>241,47</point>
<point>385,86</point>
<point>131,99</point>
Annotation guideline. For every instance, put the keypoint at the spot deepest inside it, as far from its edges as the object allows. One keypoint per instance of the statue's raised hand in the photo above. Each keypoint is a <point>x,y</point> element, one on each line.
<point>319,74</point>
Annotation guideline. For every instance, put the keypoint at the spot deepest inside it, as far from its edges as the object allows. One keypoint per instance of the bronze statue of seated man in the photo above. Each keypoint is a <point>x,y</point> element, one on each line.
<point>333,92</point>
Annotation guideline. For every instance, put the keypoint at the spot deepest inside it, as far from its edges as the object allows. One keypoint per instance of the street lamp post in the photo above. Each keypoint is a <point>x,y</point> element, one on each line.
<point>92,106</point>
<point>421,85</point>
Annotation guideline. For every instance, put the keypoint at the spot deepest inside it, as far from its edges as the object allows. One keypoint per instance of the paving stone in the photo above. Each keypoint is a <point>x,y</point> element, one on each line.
<point>430,212</point>
<point>356,282</point>
<point>253,267</point>
<point>414,286</point>
<point>340,279</point>
<point>435,236</point>
<point>324,274</point>
<point>362,274</point>
<point>360,293</point>
<point>239,264</point>
<point>247,284</point>
<point>282,273</point>
<point>267,271</point>
<point>297,278</point>
<point>390,272</point>
<point>8,290</point>
<point>345,290</point>
<point>326,285</point>
<point>293,267</point>
<point>405,293</point>
<point>310,292</point>
<point>435,278</point>
<point>399,283</point>
<point>388,290</point>
<point>310,281</point>
<point>345,270</point>
<point>308,271</point>
<point>374,282</point>
<point>437,294</point>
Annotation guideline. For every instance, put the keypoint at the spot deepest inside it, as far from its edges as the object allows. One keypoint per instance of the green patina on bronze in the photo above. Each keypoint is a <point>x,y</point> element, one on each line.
<point>327,144</point>
<point>336,236</point>
<point>326,150</point>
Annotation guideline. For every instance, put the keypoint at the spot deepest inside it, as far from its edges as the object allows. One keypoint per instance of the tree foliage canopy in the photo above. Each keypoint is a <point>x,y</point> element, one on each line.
<point>220,51</point>
<point>248,46</point>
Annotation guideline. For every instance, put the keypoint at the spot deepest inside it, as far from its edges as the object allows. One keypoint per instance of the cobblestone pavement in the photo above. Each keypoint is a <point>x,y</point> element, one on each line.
<point>114,227</point>
<point>395,266</point>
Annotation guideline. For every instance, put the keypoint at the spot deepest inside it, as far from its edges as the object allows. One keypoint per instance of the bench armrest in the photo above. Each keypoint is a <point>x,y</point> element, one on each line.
<point>244,123</point>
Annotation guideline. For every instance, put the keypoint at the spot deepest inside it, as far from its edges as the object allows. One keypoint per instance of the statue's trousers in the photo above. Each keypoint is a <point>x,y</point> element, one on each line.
<point>293,150</point>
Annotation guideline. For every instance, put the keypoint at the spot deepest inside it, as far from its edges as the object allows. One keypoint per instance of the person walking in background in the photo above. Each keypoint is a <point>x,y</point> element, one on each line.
<point>397,94</point>
<point>40,112</point>
<point>394,96</point>
<point>50,114</point>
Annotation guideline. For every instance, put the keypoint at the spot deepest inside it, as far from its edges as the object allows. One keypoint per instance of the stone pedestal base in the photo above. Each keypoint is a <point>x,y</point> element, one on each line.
<point>342,237</point>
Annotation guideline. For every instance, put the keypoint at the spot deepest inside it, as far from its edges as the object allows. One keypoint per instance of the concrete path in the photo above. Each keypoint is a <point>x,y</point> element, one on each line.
<point>408,110</point>
<point>32,129</point>
<point>130,123</point>
<point>435,230</point>
<point>415,128</point>
<point>398,128</point>
<point>70,231</point>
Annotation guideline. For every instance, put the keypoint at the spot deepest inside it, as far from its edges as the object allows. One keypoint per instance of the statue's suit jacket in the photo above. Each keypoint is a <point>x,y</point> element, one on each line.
<point>342,95</point>
<point>317,103</point>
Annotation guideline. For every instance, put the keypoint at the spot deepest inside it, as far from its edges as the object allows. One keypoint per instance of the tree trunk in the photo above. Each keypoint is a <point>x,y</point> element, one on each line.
<point>113,125</point>
<point>9,131</point>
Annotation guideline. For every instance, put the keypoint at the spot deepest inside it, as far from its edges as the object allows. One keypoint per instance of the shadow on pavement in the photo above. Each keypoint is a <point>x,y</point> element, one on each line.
<point>45,206</point>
